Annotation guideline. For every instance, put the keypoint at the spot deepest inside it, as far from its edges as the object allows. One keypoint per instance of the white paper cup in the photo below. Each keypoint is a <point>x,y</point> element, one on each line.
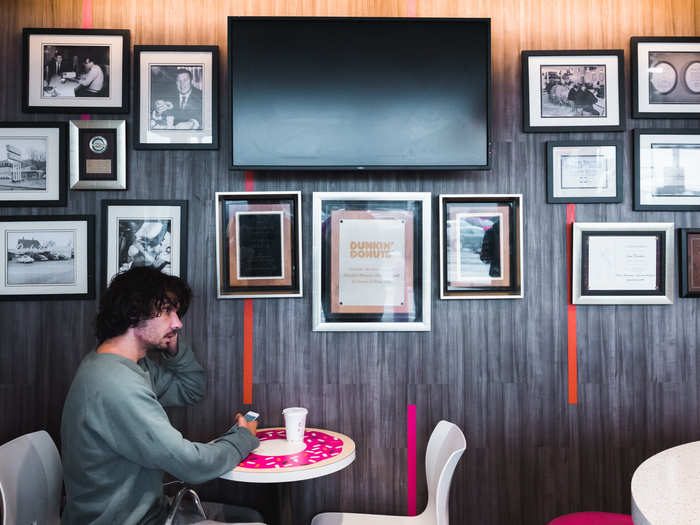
<point>294,423</point>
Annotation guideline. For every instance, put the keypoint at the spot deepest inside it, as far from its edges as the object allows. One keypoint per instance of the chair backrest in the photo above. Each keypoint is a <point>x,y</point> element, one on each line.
<point>31,477</point>
<point>445,447</point>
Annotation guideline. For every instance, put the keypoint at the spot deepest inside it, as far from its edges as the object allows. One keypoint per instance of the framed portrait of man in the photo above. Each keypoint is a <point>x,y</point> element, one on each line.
<point>176,90</point>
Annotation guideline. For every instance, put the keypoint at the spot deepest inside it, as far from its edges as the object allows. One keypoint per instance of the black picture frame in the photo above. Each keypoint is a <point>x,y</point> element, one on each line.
<point>144,210</point>
<point>213,115</point>
<point>60,163</point>
<point>551,171</point>
<point>33,73</point>
<point>640,49</point>
<point>686,253</point>
<point>643,199</point>
<point>615,113</point>
<point>46,255</point>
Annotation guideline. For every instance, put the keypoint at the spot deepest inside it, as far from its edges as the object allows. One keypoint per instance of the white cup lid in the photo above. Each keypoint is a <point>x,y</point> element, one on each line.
<point>295,411</point>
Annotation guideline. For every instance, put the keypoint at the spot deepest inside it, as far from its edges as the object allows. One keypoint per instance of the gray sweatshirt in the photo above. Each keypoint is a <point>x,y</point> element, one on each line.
<point>117,441</point>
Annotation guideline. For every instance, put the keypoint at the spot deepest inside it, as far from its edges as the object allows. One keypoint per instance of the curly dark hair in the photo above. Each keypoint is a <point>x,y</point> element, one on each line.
<point>137,295</point>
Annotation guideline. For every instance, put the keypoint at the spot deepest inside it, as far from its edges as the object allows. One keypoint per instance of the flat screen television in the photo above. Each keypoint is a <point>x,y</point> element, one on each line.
<point>359,93</point>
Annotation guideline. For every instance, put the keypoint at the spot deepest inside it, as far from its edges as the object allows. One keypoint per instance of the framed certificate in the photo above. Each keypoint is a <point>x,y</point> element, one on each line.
<point>481,247</point>
<point>97,154</point>
<point>689,261</point>
<point>371,262</point>
<point>258,242</point>
<point>622,263</point>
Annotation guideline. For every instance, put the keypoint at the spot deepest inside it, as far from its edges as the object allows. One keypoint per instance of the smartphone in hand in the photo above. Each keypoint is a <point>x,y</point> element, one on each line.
<point>251,416</point>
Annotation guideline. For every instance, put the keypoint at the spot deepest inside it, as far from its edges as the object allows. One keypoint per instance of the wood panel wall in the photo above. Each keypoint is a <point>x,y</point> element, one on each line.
<point>496,368</point>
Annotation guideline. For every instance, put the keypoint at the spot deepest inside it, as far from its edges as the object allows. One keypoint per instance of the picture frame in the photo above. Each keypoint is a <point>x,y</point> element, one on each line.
<point>577,90</point>
<point>258,244</point>
<point>665,77</point>
<point>371,261</point>
<point>33,164</point>
<point>47,257</point>
<point>622,263</point>
<point>665,169</point>
<point>584,171</point>
<point>176,97</point>
<point>481,246</point>
<point>144,233</point>
<point>689,262</point>
<point>97,154</point>
<point>75,70</point>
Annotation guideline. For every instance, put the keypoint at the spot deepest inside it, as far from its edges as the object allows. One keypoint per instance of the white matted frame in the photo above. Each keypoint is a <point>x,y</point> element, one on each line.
<point>116,180</point>
<point>647,280</point>
<point>339,218</point>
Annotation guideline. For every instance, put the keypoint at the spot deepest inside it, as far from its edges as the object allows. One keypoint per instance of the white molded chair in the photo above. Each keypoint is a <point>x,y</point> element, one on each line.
<point>31,478</point>
<point>446,446</point>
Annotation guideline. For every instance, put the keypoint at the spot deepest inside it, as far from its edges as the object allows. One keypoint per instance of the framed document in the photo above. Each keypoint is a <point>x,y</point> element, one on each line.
<point>371,262</point>
<point>98,154</point>
<point>689,259</point>
<point>573,90</point>
<point>584,171</point>
<point>481,241</point>
<point>47,257</point>
<point>258,244</point>
<point>622,263</point>
<point>666,173</point>
<point>665,77</point>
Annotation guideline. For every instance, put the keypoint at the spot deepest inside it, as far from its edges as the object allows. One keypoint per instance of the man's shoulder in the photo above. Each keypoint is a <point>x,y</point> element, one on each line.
<point>108,371</point>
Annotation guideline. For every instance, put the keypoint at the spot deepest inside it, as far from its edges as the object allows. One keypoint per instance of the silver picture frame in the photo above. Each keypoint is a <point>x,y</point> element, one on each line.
<point>116,178</point>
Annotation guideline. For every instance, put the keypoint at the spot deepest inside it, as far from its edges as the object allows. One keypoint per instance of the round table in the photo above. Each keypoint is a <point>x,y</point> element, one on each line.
<point>277,461</point>
<point>666,487</point>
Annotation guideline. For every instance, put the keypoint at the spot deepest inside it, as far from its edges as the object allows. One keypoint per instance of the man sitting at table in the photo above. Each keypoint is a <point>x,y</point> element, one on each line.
<point>116,438</point>
<point>92,83</point>
<point>57,66</point>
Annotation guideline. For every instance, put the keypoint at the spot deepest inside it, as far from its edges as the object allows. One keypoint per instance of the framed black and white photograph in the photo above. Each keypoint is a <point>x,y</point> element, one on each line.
<point>689,261</point>
<point>32,164</point>
<point>75,70</point>
<point>623,263</point>
<point>371,261</point>
<point>177,100</point>
<point>144,233</point>
<point>665,77</point>
<point>97,154</point>
<point>584,171</point>
<point>666,175</point>
<point>481,247</point>
<point>258,244</point>
<point>47,257</point>
<point>573,90</point>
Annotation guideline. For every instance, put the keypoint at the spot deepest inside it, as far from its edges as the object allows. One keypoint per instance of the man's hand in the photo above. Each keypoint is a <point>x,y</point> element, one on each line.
<point>250,425</point>
<point>161,106</point>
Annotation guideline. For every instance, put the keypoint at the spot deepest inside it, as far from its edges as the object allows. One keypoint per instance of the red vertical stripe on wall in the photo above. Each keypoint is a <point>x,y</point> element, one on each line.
<point>87,24</point>
<point>411,459</point>
<point>571,309</point>
<point>411,8</point>
<point>248,324</point>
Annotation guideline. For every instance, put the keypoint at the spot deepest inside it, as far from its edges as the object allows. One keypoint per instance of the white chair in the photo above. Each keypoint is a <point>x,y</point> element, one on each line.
<point>446,446</point>
<point>31,477</point>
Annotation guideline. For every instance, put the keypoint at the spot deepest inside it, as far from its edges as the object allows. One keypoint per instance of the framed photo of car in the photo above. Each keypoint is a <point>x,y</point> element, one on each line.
<point>177,97</point>
<point>98,154</point>
<point>665,77</point>
<point>75,70</point>
<point>144,233</point>
<point>258,244</point>
<point>622,263</point>
<point>584,171</point>
<point>481,246</point>
<point>579,90</point>
<point>666,175</point>
<point>33,164</point>
<point>371,262</point>
<point>47,257</point>
<point>689,261</point>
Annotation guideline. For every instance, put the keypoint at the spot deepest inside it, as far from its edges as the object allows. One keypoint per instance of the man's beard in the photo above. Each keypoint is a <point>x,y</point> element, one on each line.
<point>163,346</point>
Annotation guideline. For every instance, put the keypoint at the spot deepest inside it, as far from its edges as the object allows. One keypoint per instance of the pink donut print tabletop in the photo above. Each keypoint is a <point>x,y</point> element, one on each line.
<point>320,447</point>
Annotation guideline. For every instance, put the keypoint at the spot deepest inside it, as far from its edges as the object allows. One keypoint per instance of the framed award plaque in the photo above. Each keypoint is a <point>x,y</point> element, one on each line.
<point>371,262</point>
<point>689,259</point>
<point>98,154</point>
<point>258,244</point>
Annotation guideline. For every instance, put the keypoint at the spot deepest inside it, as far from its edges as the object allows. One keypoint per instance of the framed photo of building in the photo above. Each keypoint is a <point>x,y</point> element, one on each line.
<point>258,244</point>
<point>98,154</point>
<point>666,173</point>
<point>32,164</point>
<point>75,70</point>
<point>371,262</point>
<point>481,246</point>
<point>47,257</point>
<point>689,261</point>
<point>144,233</point>
<point>177,97</point>
<point>573,90</point>
<point>622,263</point>
<point>665,77</point>
<point>584,171</point>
